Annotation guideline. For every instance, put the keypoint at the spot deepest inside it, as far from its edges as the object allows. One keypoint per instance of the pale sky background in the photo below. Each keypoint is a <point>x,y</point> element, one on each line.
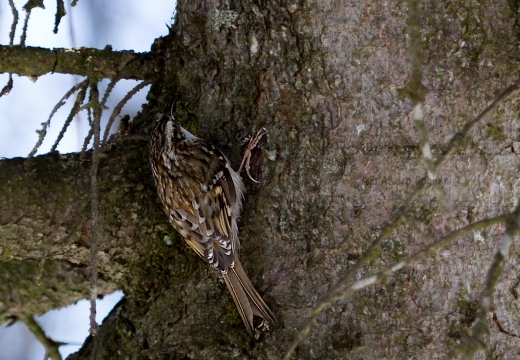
<point>124,24</point>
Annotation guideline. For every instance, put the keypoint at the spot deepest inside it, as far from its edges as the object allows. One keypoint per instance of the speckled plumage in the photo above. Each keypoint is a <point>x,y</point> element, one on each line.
<point>202,195</point>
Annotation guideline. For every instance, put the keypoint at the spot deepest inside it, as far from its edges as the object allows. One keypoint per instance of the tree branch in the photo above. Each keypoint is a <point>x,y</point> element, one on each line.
<point>36,61</point>
<point>45,213</point>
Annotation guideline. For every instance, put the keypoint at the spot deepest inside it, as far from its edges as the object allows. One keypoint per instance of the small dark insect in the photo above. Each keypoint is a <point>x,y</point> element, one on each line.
<point>202,195</point>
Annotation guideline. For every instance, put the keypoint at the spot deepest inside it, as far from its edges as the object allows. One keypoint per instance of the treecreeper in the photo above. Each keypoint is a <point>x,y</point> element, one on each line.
<point>202,197</point>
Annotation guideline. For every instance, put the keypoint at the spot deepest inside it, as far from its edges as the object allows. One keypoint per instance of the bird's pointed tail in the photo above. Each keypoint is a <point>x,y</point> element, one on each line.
<point>246,298</point>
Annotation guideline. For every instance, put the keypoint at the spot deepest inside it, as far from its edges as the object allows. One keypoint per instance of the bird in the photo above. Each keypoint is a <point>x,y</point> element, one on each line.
<point>202,196</point>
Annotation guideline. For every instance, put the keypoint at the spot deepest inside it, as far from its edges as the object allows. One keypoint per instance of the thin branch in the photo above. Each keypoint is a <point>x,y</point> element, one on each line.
<point>60,12</point>
<point>119,107</point>
<point>330,298</point>
<point>108,91</point>
<point>384,274</point>
<point>94,202</point>
<point>8,87</point>
<point>73,112</point>
<point>15,22</point>
<point>416,89</point>
<point>454,235</point>
<point>51,346</point>
<point>456,140</point>
<point>28,7</point>
<point>479,330</point>
<point>46,124</point>
<point>23,37</point>
<point>88,138</point>
<point>418,118</point>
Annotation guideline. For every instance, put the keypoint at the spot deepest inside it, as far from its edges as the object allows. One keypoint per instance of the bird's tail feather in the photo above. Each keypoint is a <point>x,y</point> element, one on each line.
<point>246,298</point>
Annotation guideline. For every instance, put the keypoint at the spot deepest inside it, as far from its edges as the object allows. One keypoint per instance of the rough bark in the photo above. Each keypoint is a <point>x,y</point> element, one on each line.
<point>342,153</point>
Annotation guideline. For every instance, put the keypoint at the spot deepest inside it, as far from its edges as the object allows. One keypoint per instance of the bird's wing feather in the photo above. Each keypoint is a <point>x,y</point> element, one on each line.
<point>205,211</point>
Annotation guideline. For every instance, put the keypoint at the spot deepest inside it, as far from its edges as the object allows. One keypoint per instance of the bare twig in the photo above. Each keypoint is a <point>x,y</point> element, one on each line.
<point>456,140</point>
<point>15,22</point>
<point>73,112</point>
<point>331,297</point>
<point>418,117</point>
<point>46,124</point>
<point>8,87</point>
<point>108,91</point>
<point>23,37</point>
<point>385,273</point>
<point>89,135</point>
<point>94,201</point>
<point>119,107</point>
<point>479,330</point>
<point>60,12</point>
<point>28,7</point>
<point>454,235</point>
<point>416,90</point>
<point>51,346</point>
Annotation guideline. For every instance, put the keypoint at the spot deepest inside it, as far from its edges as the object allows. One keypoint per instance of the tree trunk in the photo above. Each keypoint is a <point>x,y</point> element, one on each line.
<point>329,82</point>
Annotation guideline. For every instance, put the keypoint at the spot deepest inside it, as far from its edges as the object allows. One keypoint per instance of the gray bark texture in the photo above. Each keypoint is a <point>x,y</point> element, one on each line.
<point>329,81</point>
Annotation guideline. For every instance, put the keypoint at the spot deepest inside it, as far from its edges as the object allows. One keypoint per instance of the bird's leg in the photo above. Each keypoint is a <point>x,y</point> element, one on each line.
<point>253,142</point>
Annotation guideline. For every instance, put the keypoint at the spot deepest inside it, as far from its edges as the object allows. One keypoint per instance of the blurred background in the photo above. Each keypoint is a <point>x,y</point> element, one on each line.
<point>123,24</point>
